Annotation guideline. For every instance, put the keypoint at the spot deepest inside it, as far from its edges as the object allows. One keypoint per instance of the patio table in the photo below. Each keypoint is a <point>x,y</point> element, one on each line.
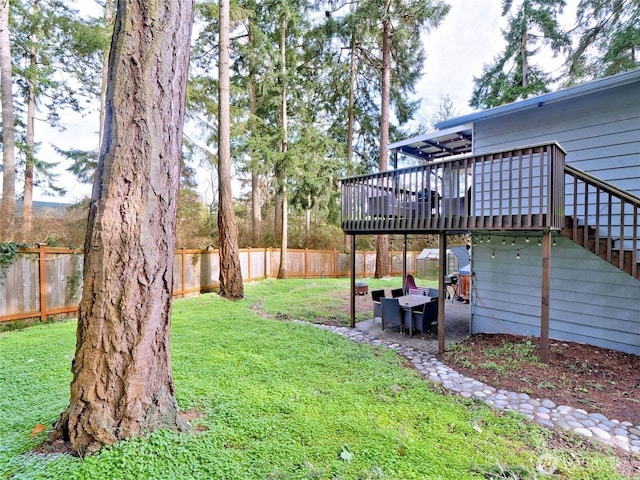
<point>408,303</point>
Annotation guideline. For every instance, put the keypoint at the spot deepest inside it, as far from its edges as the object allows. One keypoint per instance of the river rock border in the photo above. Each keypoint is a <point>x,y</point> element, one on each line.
<point>623,435</point>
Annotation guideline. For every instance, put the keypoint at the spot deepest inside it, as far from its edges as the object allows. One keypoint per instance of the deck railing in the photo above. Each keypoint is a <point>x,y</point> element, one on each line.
<point>521,188</point>
<point>604,219</point>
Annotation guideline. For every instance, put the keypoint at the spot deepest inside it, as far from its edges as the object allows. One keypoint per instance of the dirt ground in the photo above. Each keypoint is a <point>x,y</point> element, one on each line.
<point>582,376</point>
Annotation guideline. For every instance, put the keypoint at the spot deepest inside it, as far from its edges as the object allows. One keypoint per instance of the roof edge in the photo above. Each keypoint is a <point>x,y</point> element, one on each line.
<point>588,88</point>
<point>428,136</point>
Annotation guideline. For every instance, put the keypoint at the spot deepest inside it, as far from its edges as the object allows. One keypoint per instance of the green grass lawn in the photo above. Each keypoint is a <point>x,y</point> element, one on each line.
<point>277,400</point>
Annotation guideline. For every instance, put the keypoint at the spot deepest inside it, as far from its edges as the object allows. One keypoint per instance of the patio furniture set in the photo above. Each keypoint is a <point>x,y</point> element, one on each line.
<point>411,308</point>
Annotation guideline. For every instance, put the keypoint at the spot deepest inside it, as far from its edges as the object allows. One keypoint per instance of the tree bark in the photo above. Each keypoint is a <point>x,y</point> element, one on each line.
<point>352,100</point>
<point>8,204</point>
<point>284,145</point>
<point>256,197</point>
<point>27,203</point>
<point>230,271</point>
<point>256,210</point>
<point>382,243</point>
<point>122,384</point>
<point>108,20</point>
<point>351,113</point>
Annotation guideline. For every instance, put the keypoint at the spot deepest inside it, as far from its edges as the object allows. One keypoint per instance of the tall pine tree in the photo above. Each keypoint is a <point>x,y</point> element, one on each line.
<point>389,37</point>
<point>513,75</point>
<point>609,38</point>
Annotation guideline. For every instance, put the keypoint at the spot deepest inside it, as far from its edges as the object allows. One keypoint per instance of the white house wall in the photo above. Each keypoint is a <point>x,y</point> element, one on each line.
<point>590,301</point>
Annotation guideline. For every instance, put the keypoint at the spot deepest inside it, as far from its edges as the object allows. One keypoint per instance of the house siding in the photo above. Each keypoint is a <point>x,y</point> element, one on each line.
<point>601,134</point>
<point>591,301</point>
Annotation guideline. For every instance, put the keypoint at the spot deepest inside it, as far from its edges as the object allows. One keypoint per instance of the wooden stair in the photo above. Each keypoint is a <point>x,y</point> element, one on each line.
<point>607,248</point>
<point>605,220</point>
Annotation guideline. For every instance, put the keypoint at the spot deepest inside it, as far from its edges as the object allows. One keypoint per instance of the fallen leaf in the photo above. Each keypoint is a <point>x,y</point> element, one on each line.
<point>37,429</point>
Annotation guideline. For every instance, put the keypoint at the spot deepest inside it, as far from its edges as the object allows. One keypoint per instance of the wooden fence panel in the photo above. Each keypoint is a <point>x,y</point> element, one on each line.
<point>193,264</point>
<point>256,265</point>
<point>24,296</point>
<point>19,291</point>
<point>210,270</point>
<point>295,263</point>
<point>321,264</point>
<point>63,279</point>
<point>274,262</point>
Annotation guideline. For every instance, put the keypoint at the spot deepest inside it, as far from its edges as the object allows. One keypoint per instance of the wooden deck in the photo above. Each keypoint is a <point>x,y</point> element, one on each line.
<point>521,189</point>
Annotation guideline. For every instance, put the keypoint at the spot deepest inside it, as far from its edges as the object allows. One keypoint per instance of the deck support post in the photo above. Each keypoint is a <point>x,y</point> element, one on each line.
<point>442,267</point>
<point>404,264</point>
<point>546,289</point>
<point>352,296</point>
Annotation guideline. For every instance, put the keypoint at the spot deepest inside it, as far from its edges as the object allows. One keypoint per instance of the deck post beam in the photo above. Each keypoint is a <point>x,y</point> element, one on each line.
<point>352,296</point>
<point>404,263</point>
<point>546,290</point>
<point>442,266</point>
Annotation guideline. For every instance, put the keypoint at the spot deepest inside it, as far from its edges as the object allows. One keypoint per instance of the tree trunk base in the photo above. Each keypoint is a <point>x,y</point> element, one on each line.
<point>89,435</point>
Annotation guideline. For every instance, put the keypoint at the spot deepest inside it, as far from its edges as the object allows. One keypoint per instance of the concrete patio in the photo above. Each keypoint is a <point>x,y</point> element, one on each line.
<point>456,328</point>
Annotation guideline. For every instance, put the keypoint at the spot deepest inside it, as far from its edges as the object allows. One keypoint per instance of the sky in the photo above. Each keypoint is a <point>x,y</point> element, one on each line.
<point>468,38</point>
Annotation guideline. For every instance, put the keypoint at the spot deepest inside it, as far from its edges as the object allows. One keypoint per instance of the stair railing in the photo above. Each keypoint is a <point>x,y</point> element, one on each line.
<point>610,213</point>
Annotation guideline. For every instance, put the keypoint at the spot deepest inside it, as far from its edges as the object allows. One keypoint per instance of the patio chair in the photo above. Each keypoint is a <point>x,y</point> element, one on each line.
<point>433,292</point>
<point>397,292</point>
<point>376,295</point>
<point>426,320</point>
<point>391,313</point>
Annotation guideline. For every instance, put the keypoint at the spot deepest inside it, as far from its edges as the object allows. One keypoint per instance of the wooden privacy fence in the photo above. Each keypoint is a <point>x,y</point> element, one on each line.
<point>46,281</point>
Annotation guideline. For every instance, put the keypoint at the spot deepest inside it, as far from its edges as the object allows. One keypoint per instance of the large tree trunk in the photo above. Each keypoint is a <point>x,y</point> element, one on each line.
<point>256,211</point>
<point>8,204</point>
<point>284,145</point>
<point>277,211</point>
<point>27,203</point>
<point>230,272</point>
<point>256,197</point>
<point>382,245</point>
<point>122,384</point>
<point>352,99</point>
<point>108,20</point>
<point>523,50</point>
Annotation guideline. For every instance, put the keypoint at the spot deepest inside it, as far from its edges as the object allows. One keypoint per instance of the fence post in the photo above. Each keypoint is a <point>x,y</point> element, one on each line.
<point>42,272</point>
<point>306,263</point>
<point>335,264</point>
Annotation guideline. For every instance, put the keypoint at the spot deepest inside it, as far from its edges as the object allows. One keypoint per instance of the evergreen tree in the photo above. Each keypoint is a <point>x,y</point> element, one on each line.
<point>513,75</point>
<point>230,269</point>
<point>389,36</point>
<point>446,111</point>
<point>122,384</point>
<point>609,38</point>
<point>58,48</point>
<point>8,204</point>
